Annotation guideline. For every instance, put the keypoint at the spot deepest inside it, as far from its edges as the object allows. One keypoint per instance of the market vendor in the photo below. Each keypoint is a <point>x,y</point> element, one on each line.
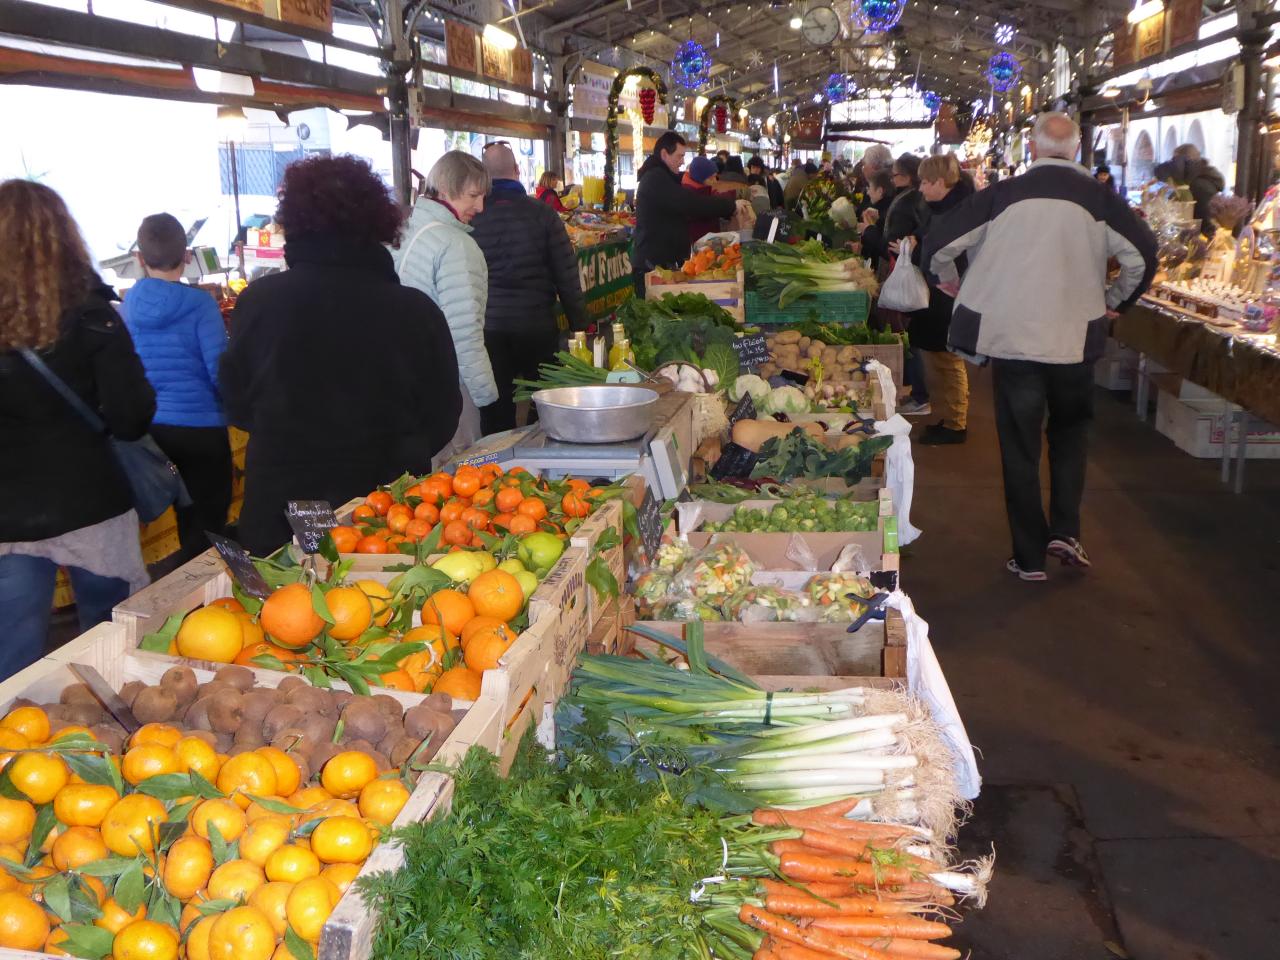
<point>664,209</point>
<point>1205,181</point>
<point>549,192</point>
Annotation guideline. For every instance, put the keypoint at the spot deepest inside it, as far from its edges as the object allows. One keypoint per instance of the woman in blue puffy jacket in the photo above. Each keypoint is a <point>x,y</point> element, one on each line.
<point>179,334</point>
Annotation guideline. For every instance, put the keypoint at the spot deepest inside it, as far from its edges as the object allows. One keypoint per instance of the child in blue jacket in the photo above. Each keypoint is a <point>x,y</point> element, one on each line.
<point>179,333</point>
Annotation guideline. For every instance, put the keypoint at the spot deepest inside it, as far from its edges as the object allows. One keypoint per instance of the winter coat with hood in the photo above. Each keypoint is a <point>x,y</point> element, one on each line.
<point>929,326</point>
<point>59,473</point>
<point>663,211</point>
<point>439,257</point>
<point>178,332</point>
<point>1204,180</point>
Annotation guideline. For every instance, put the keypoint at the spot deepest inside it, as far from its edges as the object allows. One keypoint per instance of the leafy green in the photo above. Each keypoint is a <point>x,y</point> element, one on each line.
<point>723,359</point>
<point>842,334</point>
<point>799,455</point>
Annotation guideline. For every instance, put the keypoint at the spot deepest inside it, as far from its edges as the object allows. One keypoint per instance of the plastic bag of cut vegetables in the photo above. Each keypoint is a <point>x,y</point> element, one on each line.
<point>835,596</point>
<point>715,572</point>
<point>763,604</point>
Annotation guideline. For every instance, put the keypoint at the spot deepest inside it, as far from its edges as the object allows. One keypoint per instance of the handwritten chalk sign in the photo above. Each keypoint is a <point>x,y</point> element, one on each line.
<point>735,461</point>
<point>310,520</point>
<point>745,410</point>
<point>752,351</point>
<point>649,517</point>
<point>240,565</point>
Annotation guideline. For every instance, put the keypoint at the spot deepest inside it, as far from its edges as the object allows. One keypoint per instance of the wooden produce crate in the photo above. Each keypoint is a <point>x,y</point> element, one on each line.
<point>607,635</point>
<point>800,656</point>
<point>853,306</point>
<point>586,538</point>
<point>195,583</point>
<point>725,293</point>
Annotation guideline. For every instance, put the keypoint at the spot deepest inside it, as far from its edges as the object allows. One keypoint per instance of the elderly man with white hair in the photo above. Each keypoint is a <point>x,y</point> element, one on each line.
<point>1036,302</point>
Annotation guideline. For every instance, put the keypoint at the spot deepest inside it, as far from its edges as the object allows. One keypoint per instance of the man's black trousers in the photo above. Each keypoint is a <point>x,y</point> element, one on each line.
<point>515,354</point>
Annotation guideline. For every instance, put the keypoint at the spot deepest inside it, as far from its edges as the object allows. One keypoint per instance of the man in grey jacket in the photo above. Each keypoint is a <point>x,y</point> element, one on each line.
<point>1036,302</point>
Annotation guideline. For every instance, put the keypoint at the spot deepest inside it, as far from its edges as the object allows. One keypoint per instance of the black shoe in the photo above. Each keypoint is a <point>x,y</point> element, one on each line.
<point>938,434</point>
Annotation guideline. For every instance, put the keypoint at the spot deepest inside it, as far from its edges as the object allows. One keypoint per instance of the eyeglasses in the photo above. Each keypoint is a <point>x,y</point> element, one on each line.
<point>496,143</point>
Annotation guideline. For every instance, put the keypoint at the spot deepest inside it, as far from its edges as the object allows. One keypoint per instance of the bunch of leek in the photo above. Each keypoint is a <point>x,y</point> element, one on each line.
<point>786,273</point>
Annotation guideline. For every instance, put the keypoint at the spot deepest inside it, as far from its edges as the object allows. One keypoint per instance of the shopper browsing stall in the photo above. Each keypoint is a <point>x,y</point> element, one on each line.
<point>64,500</point>
<point>342,376</point>
<point>549,191</point>
<point>1205,181</point>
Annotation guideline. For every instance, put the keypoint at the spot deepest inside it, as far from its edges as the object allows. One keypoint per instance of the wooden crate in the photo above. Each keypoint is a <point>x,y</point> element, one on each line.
<point>800,655</point>
<point>607,636</point>
<point>195,583</point>
<point>560,606</point>
<point>727,294</point>
<point>586,537</point>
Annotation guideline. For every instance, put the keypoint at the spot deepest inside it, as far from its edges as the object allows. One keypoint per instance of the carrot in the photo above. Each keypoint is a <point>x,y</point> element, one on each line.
<point>807,819</point>
<point>792,951</point>
<point>835,844</point>
<point>799,866</point>
<point>779,847</point>
<point>917,949</point>
<point>767,950</point>
<point>819,940</point>
<point>819,889</point>
<point>802,905</point>
<point>908,928</point>
<point>837,808</point>
<point>921,892</point>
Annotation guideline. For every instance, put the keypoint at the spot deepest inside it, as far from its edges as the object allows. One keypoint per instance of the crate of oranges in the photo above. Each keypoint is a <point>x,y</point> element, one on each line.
<point>233,829</point>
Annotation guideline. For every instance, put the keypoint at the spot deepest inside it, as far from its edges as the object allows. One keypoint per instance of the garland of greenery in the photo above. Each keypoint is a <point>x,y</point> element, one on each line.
<point>704,122</point>
<point>611,121</point>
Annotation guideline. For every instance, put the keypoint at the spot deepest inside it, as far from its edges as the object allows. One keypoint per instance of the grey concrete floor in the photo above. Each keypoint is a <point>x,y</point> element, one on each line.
<point>1128,718</point>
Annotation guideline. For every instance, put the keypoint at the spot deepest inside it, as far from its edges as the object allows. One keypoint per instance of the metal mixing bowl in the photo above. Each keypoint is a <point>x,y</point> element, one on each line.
<point>603,414</point>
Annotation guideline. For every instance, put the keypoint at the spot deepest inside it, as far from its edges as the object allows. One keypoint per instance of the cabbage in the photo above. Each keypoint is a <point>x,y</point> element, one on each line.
<point>844,213</point>
<point>749,383</point>
<point>785,400</point>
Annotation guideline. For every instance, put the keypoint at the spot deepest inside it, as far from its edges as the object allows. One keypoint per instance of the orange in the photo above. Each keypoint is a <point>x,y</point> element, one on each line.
<point>496,593</point>
<point>17,820</point>
<point>31,722</point>
<point>287,615</point>
<point>398,679</point>
<point>342,840</point>
<point>380,597</point>
<point>131,823</point>
<point>51,943</point>
<point>198,937</point>
<point>264,837</point>
<point>288,775</point>
<point>333,808</point>
<point>187,867</point>
<point>228,603</point>
<point>363,512</point>
<point>451,608</point>
<point>23,924</point>
<point>84,804</point>
<point>351,611</point>
<point>508,499</point>
<point>309,797</point>
<point>210,633</point>
<point>195,754</point>
<point>74,730</point>
<point>451,511</point>
<point>577,484</point>
<point>457,533</point>
<point>417,529</point>
<point>462,683</point>
<point>502,521</point>
<point>466,482</point>
<point>344,538</point>
<point>242,933</point>
<point>251,630</point>
<point>291,863</point>
<point>222,813</point>
<point>574,505</point>
<point>381,502</point>
<point>161,733</point>
<point>486,649</point>
<point>522,523</point>
<point>373,544</point>
<point>479,623</point>
<point>533,508</point>
<point>435,492</point>
<point>145,940</point>
<point>235,880</point>
<point>308,907</point>
<point>77,846</point>
<point>115,918</point>
<point>341,874</point>
<point>148,760</point>
<point>475,518</point>
<point>398,517</point>
<point>247,773</point>
<point>12,740</point>
<point>269,649</point>
<point>428,512</point>
<point>38,775</point>
<point>422,667</point>
<point>483,497</point>
<point>345,774</point>
<point>271,899</point>
<point>382,800</point>
<point>444,480</point>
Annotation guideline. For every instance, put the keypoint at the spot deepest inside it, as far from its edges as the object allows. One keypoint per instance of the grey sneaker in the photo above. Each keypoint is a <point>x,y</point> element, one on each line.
<point>1070,551</point>
<point>1032,575</point>
<point>910,408</point>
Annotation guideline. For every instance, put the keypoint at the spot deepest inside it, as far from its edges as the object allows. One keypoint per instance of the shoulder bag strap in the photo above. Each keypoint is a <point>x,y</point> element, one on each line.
<point>421,230</point>
<point>73,399</point>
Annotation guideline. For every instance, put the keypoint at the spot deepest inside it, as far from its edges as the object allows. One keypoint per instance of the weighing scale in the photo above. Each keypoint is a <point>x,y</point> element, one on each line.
<point>661,456</point>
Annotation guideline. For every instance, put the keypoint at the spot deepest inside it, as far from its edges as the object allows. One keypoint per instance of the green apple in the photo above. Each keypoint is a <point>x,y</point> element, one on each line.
<point>513,567</point>
<point>528,583</point>
<point>539,552</point>
<point>462,566</point>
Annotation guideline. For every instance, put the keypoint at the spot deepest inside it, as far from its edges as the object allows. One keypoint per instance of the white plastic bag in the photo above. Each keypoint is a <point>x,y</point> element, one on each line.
<point>905,288</point>
<point>900,473</point>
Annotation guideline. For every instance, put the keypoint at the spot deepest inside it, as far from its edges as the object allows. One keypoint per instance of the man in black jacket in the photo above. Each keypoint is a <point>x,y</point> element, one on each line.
<point>531,262</point>
<point>664,209</point>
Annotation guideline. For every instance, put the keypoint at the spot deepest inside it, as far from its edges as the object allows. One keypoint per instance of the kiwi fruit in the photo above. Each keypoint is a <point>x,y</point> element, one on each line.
<point>322,754</point>
<point>358,746</point>
<point>109,735</point>
<point>440,702</point>
<point>288,683</point>
<point>224,743</point>
<point>226,710</point>
<point>85,714</point>
<point>197,715</point>
<point>238,676</point>
<point>281,718</point>
<point>340,699</point>
<point>295,742</point>
<point>77,693</point>
<point>362,720</point>
<point>182,683</point>
<point>257,703</point>
<point>311,700</point>
<point>403,750</point>
<point>251,734</point>
<point>213,687</point>
<point>420,720</point>
<point>388,705</point>
<point>154,705</point>
<point>129,691</point>
<point>318,726</point>
<point>381,760</point>
<point>208,736</point>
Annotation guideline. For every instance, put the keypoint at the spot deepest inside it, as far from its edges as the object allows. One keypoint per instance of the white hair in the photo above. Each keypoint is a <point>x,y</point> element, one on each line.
<point>877,157</point>
<point>1056,135</point>
<point>453,173</point>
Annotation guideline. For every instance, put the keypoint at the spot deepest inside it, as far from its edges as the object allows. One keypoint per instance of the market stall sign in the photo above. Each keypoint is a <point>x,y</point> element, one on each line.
<point>460,43</point>
<point>308,13</point>
<point>311,521</point>
<point>735,462</point>
<point>752,351</point>
<point>744,410</point>
<point>249,6</point>
<point>604,272</point>
<point>240,565</point>
<point>649,518</point>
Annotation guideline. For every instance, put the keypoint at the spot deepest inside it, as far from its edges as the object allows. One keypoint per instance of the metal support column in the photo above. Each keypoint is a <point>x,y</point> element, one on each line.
<point>1248,139</point>
<point>559,106</point>
<point>1086,126</point>
<point>397,44</point>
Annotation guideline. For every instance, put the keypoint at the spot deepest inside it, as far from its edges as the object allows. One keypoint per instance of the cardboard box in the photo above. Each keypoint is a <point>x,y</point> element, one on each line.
<point>1197,426</point>
<point>770,551</point>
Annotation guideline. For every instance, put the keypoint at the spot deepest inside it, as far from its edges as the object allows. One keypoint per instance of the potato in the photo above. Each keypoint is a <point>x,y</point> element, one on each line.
<point>846,355</point>
<point>788,336</point>
<point>815,350</point>
<point>155,705</point>
<point>803,343</point>
<point>829,356</point>
<point>239,677</point>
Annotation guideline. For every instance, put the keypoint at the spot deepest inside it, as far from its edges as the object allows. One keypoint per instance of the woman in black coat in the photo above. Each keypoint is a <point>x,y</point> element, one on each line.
<point>64,500</point>
<point>942,188</point>
<point>343,378</point>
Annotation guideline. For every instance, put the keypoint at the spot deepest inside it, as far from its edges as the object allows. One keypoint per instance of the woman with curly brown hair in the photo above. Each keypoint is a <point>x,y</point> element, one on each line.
<point>64,501</point>
<point>343,377</point>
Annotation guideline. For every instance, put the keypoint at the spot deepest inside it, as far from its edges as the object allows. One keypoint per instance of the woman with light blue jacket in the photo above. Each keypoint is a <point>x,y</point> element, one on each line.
<point>438,257</point>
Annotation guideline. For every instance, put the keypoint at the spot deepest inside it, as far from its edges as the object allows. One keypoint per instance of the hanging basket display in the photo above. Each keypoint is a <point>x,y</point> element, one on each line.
<point>648,102</point>
<point>931,100</point>
<point>691,66</point>
<point>837,88</point>
<point>1003,71</point>
<point>878,16</point>
<point>718,109</point>
<point>722,118</point>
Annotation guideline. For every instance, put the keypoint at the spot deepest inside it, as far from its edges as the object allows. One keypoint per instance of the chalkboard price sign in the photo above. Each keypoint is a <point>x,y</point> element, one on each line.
<point>310,520</point>
<point>745,410</point>
<point>795,376</point>
<point>240,565</point>
<point>649,517</point>
<point>735,462</point>
<point>752,351</point>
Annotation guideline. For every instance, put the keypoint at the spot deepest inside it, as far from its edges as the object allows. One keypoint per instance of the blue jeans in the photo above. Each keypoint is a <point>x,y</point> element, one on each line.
<point>26,604</point>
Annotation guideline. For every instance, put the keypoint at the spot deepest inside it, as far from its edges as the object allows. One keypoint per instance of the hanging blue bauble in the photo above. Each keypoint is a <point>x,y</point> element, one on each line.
<point>877,16</point>
<point>837,88</point>
<point>1003,71</point>
<point>931,100</point>
<point>691,66</point>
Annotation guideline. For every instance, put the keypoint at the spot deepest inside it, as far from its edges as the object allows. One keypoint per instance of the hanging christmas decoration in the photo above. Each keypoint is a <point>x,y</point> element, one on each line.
<point>878,16</point>
<point>691,66</point>
<point>718,108</point>
<point>655,84</point>
<point>837,88</point>
<point>722,118</point>
<point>648,101</point>
<point>931,100</point>
<point>1003,71</point>
<point>1004,34</point>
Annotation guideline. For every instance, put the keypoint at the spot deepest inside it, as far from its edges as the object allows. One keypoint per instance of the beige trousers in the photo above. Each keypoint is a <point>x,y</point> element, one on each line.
<point>948,383</point>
